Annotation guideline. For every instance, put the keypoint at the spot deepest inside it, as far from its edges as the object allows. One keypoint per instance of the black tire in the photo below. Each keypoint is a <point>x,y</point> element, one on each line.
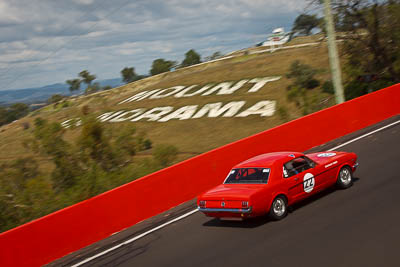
<point>345,178</point>
<point>279,208</point>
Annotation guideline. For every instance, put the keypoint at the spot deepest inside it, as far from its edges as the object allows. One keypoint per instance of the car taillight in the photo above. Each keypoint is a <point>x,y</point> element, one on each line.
<point>202,203</point>
<point>245,204</point>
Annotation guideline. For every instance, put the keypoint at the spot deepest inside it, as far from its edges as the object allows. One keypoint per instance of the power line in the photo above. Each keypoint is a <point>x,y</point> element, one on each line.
<point>70,26</point>
<point>67,43</point>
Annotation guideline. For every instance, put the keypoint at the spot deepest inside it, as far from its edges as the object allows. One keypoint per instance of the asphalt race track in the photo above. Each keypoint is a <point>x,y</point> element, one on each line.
<point>359,226</point>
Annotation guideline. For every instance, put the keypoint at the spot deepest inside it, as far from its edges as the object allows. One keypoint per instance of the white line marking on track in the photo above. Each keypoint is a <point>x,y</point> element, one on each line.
<point>194,211</point>
<point>135,238</point>
<point>362,136</point>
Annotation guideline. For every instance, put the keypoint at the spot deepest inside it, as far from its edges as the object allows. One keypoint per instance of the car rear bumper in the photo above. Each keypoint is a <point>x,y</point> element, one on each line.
<point>216,210</point>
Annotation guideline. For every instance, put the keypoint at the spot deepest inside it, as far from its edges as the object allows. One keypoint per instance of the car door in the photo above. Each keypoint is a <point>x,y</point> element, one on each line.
<point>300,178</point>
<point>322,175</point>
<point>292,181</point>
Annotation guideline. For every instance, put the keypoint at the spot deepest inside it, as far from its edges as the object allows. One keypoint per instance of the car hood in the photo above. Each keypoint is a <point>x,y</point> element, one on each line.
<point>232,192</point>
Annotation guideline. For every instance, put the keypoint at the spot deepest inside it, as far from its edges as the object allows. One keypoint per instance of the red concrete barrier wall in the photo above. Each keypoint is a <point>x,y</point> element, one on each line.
<point>53,236</point>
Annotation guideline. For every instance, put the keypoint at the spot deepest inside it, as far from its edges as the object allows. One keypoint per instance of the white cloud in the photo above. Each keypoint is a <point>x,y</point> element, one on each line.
<point>83,2</point>
<point>8,15</point>
<point>96,34</point>
<point>58,39</point>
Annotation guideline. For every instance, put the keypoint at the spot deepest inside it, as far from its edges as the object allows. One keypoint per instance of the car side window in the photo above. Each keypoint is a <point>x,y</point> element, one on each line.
<point>289,170</point>
<point>310,162</point>
<point>296,166</point>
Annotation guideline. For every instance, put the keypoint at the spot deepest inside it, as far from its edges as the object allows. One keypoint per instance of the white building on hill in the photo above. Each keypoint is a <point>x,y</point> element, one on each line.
<point>277,38</point>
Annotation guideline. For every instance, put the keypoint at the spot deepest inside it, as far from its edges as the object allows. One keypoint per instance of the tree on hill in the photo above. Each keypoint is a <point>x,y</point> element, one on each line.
<point>18,110</point>
<point>74,85</point>
<point>87,77</point>
<point>304,24</point>
<point>303,75</point>
<point>161,65</point>
<point>191,58</point>
<point>165,154</point>
<point>128,74</point>
<point>48,140</point>
<point>12,113</point>
<point>55,98</point>
<point>372,43</point>
<point>93,88</point>
<point>214,56</point>
<point>3,116</point>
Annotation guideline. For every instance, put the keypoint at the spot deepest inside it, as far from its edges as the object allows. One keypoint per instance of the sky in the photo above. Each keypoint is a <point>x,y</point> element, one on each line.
<point>49,41</point>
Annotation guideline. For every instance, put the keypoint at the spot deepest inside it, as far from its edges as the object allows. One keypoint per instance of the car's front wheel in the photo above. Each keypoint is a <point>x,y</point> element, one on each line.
<point>279,208</point>
<point>345,178</point>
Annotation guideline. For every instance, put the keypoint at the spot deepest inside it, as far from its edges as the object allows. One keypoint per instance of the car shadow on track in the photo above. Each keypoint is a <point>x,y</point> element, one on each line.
<point>317,196</point>
<point>262,220</point>
<point>247,223</point>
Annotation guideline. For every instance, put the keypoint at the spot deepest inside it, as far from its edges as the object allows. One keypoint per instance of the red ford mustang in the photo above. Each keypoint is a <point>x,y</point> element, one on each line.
<point>269,183</point>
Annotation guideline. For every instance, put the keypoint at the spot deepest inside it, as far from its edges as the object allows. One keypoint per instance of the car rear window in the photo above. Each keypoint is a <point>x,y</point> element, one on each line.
<point>248,176</point>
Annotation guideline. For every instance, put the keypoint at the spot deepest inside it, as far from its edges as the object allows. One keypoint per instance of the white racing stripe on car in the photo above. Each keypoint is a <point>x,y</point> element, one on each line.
<point>362,136</point>
<point>194,211</point>
<point>134,238</point>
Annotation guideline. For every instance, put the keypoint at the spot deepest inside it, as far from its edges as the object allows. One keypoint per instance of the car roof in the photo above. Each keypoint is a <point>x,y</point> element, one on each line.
<point>268,160</point>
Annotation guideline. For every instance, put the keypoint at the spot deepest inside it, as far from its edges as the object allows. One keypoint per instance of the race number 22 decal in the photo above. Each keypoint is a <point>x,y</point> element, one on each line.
<point>308,182</point>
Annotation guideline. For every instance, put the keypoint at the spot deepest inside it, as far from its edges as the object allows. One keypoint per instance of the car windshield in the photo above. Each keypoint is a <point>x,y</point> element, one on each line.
<point>248,176</point>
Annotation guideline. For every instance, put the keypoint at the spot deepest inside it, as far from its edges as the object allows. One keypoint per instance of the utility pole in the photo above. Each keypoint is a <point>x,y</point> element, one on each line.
<point>333,54</point>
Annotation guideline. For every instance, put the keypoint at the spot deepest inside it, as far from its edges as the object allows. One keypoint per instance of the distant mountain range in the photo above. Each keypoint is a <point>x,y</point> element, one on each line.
<point>41,94</point>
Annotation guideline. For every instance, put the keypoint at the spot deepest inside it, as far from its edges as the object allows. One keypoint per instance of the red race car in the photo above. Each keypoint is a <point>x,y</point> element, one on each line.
<point>269,183</point>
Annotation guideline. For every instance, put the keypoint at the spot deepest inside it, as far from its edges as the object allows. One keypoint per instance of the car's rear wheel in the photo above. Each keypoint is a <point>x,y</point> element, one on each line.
<point>345,178</point>
<point>279,208</point>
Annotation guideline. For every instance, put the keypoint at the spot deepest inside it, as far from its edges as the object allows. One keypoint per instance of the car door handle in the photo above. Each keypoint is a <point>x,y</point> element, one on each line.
<point>296,179</point>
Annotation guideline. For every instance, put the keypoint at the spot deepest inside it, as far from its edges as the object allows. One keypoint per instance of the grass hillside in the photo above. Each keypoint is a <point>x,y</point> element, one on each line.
<point>192,136</point>
<point>44,167</point>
